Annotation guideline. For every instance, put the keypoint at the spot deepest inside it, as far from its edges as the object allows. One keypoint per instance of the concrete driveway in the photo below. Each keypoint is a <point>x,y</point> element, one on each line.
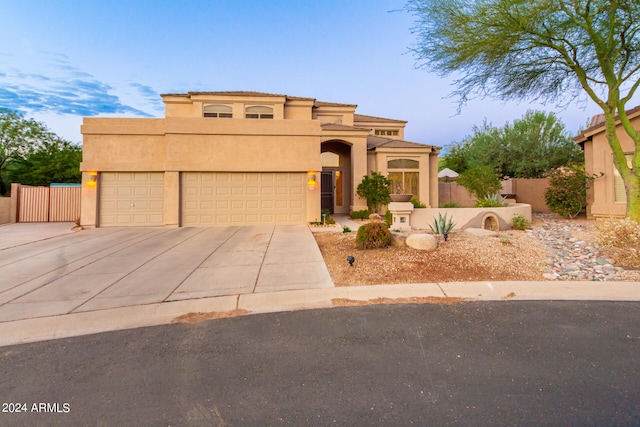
<point>58,272</point>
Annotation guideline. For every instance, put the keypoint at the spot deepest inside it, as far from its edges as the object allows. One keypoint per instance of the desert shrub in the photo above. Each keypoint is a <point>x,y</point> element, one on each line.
<point>417,203</point>
<point>373,235</point>
<point>329,220</point>
<point>346,229</point>
<point>621,238</point>
<point>363,214</point>
<point>519,222</point>
<point>567,192</point>
<point>492,201</point>
<point>441,225</point>
<point>388,218</point>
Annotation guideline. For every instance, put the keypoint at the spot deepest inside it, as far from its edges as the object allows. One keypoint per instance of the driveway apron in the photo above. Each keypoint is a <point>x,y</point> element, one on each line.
<point>116,267</point>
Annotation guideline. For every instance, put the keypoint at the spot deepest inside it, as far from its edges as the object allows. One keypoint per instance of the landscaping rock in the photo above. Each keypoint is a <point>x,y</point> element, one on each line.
<point>398,239</point>
<point>424,242</point>
<point>571,258</point>
<point>481,232</point>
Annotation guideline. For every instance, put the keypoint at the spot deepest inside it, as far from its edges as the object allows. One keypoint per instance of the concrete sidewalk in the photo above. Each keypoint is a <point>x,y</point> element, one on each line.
<point>88,322</point>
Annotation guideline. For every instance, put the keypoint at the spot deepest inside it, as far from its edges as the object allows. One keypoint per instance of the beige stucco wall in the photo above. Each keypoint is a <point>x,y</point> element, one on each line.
<point>469,217</point>
<point>599,158</point>
<point>242,145</point>
<point>5,210</point>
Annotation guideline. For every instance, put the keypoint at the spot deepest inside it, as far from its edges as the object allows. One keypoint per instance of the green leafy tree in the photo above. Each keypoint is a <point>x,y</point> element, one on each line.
<point>55,160</point>
<point>529,148</point>
<point>19,137</point>
<point>547,50</point>
<point>376,189</point>
<point>481,181</point>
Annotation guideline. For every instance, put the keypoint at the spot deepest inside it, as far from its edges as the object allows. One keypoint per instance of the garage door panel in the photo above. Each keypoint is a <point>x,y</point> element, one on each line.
<point>131,199</point>
<point>243,198</point>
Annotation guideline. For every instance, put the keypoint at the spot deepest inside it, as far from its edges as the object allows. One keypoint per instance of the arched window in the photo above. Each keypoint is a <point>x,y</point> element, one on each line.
<point>258,112</point>
<point>404,176</point>
<point>330,160</point>
<point>403,164</point>
<point>218,111</point>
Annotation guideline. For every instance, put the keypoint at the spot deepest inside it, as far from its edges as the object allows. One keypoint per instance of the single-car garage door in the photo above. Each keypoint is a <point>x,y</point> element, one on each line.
<point>234,198</point>
<point>131,199</point>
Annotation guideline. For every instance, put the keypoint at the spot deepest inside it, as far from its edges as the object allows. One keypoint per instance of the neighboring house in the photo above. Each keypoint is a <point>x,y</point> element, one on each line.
<point>607,195</point>
<point>227,158</point>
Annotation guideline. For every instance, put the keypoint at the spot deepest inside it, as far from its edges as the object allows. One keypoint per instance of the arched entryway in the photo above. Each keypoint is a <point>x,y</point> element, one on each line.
<point>336,178</point>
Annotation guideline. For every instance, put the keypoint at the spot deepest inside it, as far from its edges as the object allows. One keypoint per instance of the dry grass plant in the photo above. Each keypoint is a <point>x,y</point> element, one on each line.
<point>621,239</point>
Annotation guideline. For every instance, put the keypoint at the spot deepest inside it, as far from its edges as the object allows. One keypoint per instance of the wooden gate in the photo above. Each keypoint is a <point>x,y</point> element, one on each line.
<point>48,204</point>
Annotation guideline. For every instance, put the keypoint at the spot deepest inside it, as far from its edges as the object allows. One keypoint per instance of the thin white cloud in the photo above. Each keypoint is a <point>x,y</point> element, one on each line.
<point>62,89</point>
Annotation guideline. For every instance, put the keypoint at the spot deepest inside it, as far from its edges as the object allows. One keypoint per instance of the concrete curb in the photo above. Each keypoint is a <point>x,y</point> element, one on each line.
<point>76,324</point>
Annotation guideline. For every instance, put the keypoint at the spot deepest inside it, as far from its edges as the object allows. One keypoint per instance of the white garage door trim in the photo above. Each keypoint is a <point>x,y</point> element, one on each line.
<point>240,198</point>
<point>131,199</point>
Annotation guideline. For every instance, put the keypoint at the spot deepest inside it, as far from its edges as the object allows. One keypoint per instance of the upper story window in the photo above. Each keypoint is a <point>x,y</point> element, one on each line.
<point>258,112</point>
<point>382,132</point>
<point>219,111</point>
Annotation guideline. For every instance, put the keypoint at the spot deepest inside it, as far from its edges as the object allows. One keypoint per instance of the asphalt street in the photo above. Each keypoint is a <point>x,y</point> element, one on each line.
<point>475,363</point>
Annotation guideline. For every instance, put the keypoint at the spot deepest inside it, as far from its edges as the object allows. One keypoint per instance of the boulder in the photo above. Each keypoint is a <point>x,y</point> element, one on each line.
<point>398,239</point>
<point>424,242</point>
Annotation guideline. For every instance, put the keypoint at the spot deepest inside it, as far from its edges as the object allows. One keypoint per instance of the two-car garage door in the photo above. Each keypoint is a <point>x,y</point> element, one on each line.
<point>235,198</point>
<point>207,198</point>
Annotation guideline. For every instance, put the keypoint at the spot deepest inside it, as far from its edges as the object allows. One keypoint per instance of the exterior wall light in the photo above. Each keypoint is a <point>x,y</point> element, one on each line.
<point>93,179</point>
<point>311,180</point>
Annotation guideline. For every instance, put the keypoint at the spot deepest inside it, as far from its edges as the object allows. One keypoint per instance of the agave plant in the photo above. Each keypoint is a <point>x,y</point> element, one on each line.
<point>442,225</point>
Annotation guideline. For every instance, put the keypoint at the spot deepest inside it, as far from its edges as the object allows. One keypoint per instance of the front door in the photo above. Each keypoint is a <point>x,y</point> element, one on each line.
<point>326,190</point>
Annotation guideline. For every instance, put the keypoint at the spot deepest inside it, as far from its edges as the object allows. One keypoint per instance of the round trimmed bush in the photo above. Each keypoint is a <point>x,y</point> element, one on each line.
<point>373,235</point>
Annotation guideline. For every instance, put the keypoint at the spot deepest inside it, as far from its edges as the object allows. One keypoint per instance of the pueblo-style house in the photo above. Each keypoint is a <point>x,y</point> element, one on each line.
<point>607,196</point>
<point>235,158</point>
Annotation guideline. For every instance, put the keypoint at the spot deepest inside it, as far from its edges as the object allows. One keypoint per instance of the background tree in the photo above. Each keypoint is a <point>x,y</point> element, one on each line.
<point>480,181</point>
<point>55,160</point>
<point>33,155</point>
<point>19,137</point>
<point>550,50</point>
<point>529,148</point>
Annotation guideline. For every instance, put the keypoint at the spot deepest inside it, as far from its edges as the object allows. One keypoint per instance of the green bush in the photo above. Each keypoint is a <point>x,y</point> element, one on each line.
<point>519,222</point>
<point>373,235</point>
<point>567,192</point>
<point>363,214</point>
<point>493,201</point>
<point>388,218</point>
<point>417,203</point>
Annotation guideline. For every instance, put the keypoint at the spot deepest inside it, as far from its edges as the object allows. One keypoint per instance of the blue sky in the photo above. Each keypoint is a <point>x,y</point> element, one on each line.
<point>62,60</point>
